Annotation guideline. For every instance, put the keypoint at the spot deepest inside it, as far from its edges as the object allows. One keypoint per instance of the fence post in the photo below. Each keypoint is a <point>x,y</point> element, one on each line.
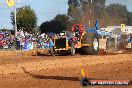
<point>116,41</point>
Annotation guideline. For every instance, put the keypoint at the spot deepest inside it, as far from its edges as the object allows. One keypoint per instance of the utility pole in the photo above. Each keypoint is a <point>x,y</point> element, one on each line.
<point>15,18</point>
<point>90,11</point>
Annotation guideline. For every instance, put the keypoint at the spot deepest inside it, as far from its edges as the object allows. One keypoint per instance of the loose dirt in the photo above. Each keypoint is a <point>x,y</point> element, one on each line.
<point>24,70</point>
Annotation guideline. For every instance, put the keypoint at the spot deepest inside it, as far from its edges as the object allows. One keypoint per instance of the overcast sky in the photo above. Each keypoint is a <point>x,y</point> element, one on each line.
<point>45,9</point>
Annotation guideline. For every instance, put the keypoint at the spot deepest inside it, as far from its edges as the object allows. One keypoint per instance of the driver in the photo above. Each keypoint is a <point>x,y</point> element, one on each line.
<point>77,33</point>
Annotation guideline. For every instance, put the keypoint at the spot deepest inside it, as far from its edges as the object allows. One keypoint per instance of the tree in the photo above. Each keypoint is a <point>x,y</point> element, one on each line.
<point>129,17</point>
<point>26,18</point>
<point>80,10</point>
<point>119,12</point>
<point>51,26</point>
<point>114,14</point>
<point>5,30</point>
<point>64,19</point>
<point>58,24</point>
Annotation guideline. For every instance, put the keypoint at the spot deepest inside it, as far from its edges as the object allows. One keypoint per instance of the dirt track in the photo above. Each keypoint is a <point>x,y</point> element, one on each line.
<point>21,71</point>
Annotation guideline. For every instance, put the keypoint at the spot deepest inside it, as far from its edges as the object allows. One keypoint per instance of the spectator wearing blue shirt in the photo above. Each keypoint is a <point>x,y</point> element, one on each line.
<point>51,43</point>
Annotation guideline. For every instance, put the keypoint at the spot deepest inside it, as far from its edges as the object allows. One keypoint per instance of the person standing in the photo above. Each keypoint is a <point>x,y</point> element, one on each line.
<point>51,43</point>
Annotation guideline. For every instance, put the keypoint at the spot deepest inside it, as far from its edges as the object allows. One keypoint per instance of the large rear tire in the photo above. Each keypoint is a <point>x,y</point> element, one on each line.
<point>94,48</point>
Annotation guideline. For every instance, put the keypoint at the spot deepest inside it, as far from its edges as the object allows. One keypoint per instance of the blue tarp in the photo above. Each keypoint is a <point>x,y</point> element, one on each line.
<point>28,46</point>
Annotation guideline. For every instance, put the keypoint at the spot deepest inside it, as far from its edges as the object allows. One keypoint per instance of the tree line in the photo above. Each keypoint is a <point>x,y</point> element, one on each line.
<point>114,14</point>
<point>79,11</point>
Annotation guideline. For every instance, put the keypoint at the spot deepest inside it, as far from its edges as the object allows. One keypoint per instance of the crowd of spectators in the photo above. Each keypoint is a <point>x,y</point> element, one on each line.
<point>25,40</point>
<point>6,40</point>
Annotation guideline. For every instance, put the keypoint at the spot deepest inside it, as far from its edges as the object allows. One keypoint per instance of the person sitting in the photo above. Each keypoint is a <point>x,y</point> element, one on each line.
<point>77,33</point>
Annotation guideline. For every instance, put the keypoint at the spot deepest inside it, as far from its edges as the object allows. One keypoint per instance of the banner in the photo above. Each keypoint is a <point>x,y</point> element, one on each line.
<point>10,3</point>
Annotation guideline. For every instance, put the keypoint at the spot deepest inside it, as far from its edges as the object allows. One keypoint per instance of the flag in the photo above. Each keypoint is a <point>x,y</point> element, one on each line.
<point>83,74</point>
<point>10,3</point>
<point>122,27</point>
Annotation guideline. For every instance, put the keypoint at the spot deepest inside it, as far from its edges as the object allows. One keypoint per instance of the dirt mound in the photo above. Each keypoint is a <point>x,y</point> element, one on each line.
<point>129,50</point>
<point>104,52</point>
<point>37,52</point>
<point>8,53</point>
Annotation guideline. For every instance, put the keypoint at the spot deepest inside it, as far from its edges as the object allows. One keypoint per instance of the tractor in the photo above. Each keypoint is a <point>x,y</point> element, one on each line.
<point>83,38</point>
<point>64,43</point>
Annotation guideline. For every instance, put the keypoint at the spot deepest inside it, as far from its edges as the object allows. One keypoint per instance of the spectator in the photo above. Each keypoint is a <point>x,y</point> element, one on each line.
<point>51,43</point>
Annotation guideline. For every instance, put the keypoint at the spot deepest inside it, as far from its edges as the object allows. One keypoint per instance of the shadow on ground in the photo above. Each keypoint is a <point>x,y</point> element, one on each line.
<point>51,77</point>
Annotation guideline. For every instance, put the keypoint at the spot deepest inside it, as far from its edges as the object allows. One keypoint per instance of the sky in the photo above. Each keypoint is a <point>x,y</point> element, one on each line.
<point>45,9</point>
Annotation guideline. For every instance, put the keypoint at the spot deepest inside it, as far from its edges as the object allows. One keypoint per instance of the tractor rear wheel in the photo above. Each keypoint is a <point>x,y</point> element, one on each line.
<point>94,48</point>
